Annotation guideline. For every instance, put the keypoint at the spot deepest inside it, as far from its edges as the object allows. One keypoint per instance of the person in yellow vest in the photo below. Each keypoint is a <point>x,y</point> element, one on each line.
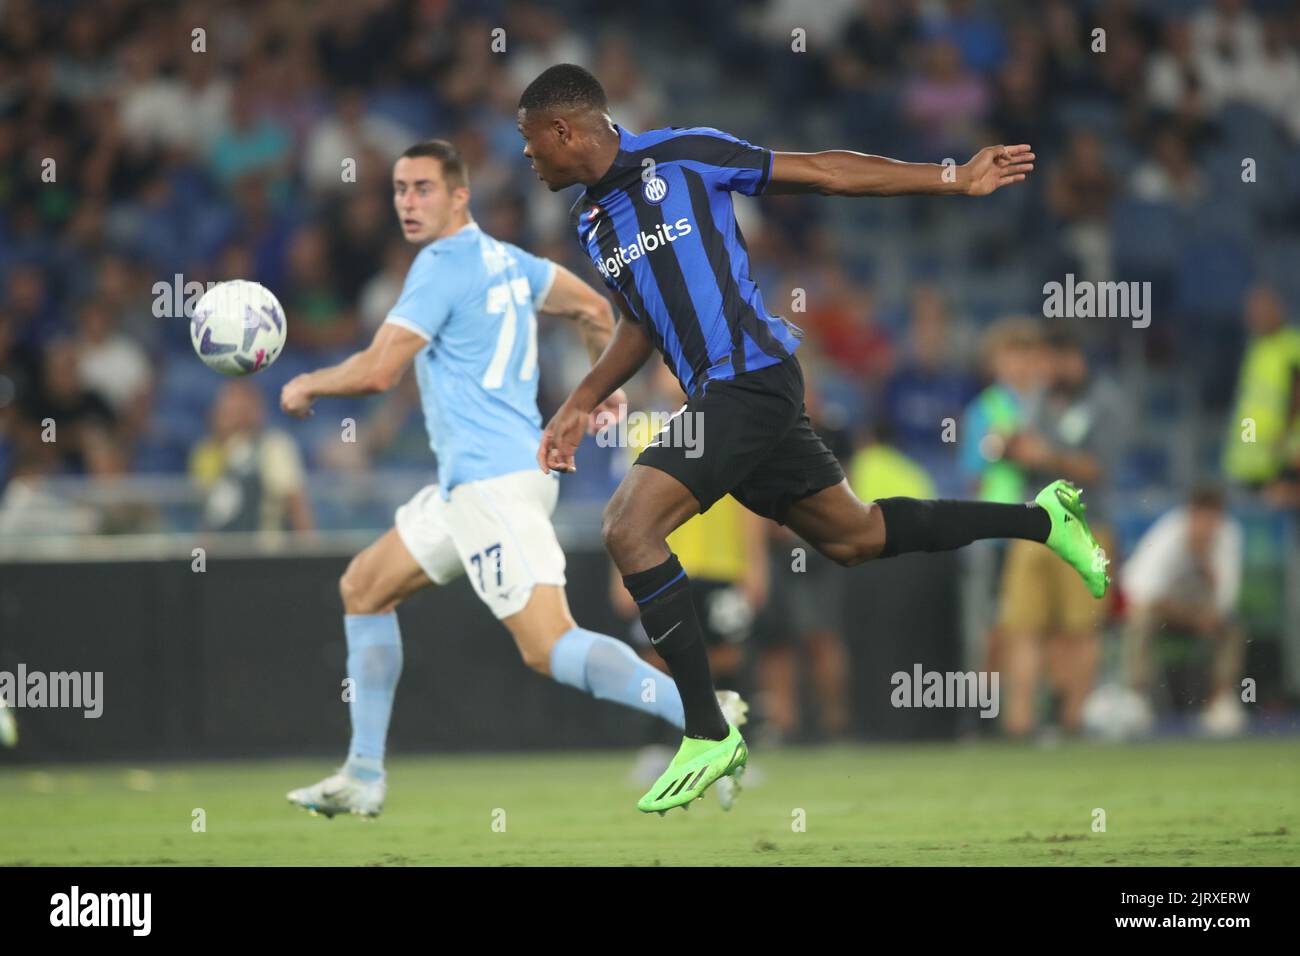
<point>1262,448</point>
<point>1284,492</point>
<point>879,470</point>
<point>252,476</point>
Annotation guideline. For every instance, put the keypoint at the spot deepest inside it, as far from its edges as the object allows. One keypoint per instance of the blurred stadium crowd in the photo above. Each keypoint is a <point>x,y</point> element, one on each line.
<point>137,157</point>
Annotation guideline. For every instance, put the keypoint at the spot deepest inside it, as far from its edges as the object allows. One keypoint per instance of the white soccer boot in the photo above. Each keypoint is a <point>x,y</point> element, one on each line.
<point>342,793</point>
<point>8,726</point>
<point>736,711</point>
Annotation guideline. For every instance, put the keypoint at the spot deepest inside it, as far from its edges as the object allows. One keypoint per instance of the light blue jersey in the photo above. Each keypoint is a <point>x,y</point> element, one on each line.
<point>475,300</point>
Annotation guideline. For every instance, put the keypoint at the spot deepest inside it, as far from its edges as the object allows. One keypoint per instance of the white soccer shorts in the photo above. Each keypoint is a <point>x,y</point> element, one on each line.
<point>497,531</point>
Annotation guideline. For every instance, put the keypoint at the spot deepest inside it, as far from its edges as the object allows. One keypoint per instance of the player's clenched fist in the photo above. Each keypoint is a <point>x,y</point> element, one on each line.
<point>295,398</point>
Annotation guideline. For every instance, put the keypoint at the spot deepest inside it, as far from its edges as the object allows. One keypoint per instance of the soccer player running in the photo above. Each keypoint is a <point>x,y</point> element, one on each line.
<point>656,219</point>
<point>467,318</point>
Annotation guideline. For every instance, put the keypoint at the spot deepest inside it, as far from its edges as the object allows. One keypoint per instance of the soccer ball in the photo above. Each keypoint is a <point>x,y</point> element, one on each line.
<point>238,327</point>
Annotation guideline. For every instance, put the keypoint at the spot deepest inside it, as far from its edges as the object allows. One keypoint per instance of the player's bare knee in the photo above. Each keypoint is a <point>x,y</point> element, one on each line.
<point>350,588</point>
<point>538,642</point>
<point>358,591</point>
<point>544,619</point>
<point>536,658</point>
<point>619,533</point>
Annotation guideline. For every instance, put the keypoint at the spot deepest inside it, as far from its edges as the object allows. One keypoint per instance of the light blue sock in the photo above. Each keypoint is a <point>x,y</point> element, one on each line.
<point>374,664</point>
<point>610,670</point>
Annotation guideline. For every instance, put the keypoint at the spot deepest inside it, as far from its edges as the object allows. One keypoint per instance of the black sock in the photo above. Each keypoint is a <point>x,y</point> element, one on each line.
<point>664,595</point>
<point>915,524</point>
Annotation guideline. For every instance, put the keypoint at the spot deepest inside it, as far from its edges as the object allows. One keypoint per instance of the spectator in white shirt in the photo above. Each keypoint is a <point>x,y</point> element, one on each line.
<point>115,366</point>
<point>348,133</point>
<point>151,106</point>
<point>1228,32</point>
<point>205,104</point>
<point>1180,80</point>
<point>108,361</point>
<point>1185,575</point>
<point>1170,175</point>
<point>1271,81</point>
<point>541,38</point>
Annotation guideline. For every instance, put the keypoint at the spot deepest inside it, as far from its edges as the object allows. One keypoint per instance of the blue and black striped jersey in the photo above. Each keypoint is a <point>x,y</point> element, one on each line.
<point>664,234</point>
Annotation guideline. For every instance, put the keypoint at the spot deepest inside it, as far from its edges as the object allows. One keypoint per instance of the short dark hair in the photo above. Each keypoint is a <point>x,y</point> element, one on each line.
<point>454,172</point>
<point>561,86</point>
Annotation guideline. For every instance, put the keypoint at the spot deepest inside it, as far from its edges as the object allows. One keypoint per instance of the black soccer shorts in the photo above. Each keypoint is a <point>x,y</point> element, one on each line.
<point>748,436</point>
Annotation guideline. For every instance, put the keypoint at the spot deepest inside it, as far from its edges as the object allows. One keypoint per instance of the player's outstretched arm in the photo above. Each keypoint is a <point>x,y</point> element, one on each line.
<point>841,172</point>
<point>627,352</point>
<point>374,369</point>
<point>574,299</point>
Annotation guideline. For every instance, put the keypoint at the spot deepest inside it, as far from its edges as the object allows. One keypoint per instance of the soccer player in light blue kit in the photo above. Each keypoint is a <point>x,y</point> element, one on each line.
<point>467,317</point>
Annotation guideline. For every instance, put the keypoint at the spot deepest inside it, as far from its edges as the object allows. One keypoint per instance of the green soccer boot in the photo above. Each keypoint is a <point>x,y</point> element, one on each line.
<point>697,766</point>
<point>1071,538</point>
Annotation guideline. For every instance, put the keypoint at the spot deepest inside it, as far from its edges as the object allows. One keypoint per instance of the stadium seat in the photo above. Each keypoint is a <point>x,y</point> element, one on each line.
<point>160,457</point>
<point>1094,115</point>
<point>186,387</point>
<point>1146,236</point>
<point>1213,273</point>
<point>1223,215</point>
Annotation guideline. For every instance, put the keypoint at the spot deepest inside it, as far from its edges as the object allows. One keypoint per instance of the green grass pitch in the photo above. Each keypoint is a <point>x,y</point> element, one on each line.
<point>985,804</point>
